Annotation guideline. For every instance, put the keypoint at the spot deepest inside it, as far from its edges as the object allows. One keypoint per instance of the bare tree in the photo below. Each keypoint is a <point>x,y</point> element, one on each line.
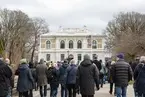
<point>126,32</point>
<point>39,26</point>
<point>15,29</point>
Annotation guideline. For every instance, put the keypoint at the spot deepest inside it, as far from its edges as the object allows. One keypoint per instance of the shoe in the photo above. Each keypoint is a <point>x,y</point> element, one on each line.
<point>110,92</point>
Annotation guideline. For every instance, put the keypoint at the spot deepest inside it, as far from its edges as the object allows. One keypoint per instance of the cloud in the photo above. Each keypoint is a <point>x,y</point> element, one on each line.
<point>95,14</point>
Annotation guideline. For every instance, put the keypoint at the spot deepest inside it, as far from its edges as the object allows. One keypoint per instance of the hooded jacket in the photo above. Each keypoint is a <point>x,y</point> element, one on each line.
<point>25,79</point>
<point>5,75</point>
<point>87,76</point>
<point>62,73</point>
<point>71,74</point>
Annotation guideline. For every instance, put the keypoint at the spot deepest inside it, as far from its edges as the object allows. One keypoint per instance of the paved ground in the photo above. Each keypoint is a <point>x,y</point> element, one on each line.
<point>103,92</point>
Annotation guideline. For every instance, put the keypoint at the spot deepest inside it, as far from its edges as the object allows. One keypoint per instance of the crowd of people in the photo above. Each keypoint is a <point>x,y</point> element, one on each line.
<point>73,79</point>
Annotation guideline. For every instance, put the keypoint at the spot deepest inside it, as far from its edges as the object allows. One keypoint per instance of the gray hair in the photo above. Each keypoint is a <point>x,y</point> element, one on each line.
<point>72,61</point>
<point>142,59</point>
<point>86,57</point>
<point>42,61</point>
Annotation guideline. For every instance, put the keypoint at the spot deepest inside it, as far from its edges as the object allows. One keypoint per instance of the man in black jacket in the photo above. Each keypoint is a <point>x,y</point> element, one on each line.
<point>5,75</point>
<point>97,63</point>
<point>122,74</point>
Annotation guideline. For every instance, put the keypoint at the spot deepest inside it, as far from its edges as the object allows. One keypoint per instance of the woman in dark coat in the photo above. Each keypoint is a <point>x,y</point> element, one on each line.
<point>25,79</point>
<point>87,73</point>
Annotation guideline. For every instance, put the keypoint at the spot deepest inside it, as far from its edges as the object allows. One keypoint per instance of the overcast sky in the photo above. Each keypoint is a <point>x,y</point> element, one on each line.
<point>95,14</point>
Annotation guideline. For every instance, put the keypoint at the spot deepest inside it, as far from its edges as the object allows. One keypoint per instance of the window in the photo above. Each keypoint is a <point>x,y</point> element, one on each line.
<point>79,44</point>
<point>48,57</point>
<point>62,56</point>
<point>48,44</point>
<point>94,44</point>
<point>62,44</point>
<point>70,44</point>
<point>79,57</point>
<point>94,56</point>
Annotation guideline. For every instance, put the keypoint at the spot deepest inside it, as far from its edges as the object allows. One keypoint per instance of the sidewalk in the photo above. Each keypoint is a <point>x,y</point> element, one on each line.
<point>103,92</point>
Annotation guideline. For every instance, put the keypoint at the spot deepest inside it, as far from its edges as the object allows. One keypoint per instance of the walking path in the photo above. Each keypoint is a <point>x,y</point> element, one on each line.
<point>103,92</point>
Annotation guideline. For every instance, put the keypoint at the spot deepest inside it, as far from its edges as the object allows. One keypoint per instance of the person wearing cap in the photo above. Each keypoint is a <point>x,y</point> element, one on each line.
<point>25,79</point>
<point>122,74</point>
<point>87,77</point>
<point>139,77</point>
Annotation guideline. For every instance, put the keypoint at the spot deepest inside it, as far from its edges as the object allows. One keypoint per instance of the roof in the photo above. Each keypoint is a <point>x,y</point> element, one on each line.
<point>73,32</point>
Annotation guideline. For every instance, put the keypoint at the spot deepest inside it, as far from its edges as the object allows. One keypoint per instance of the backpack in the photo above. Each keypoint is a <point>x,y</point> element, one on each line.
<point>140,81</point>
<point>49,74</point>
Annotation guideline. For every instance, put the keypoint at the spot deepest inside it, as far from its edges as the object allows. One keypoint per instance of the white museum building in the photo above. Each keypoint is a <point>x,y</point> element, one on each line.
<point>56,46</point>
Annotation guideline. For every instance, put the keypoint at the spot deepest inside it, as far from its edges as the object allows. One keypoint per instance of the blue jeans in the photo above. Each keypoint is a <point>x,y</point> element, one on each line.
<point>63,91</point>
<point>9,92</point>
<point>53,92</point>
<point>121,91</point>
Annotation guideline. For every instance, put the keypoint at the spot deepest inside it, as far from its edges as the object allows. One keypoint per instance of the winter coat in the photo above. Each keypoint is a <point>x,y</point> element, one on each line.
<point>122,73</point>
<point>62,73</point>
<point>98,64</point>
<point>110,74</point>
<point>25,79</point>
<point>5,75</point>
<point>41,71</point>
<point>139,77</point>
<point>71,74</point>
<point>54,83</point>
<point>87,76</point>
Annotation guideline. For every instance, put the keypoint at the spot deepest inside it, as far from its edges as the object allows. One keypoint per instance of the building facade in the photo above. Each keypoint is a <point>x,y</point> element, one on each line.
<point>76,42</point>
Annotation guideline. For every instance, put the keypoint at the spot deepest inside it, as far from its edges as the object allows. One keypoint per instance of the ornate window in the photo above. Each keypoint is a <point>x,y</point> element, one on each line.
<point>71,44</point>
<point>62,44</point>
<point>79,44</point>
<point>79,57</point>
<point>62,56</point>
<point>48,44</point>
<point>94,44</point>
<point>48,57</point>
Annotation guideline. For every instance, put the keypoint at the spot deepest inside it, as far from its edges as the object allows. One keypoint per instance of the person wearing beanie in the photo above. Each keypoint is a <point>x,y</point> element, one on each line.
<point>85,78</point>
<point>25,79</point>
<point>122,74</point>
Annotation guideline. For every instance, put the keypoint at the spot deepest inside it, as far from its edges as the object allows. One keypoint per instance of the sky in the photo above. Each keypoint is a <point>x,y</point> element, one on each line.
<point>94,14</point>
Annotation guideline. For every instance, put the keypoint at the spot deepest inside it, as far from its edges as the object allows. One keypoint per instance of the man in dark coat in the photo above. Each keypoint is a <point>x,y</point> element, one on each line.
<point>97,63</point>
<point>5,75</point>
<point>62,76</point>
<point>134,64</point>
<point>87,76</point>
<point>122,74</point>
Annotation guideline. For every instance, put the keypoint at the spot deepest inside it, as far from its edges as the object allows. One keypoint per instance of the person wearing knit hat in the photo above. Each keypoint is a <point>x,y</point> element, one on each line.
<point>25,79</point>
<point>23,61</point>
<point>120,56</point>
<point>122,74</point>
